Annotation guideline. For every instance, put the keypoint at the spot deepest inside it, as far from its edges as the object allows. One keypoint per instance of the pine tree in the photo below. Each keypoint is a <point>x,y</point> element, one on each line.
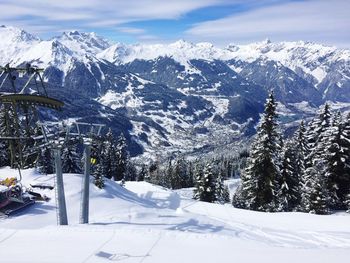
<point>168,179</point>
<point>179,176</point>
<point>262,175</point>
<point>131,172</point>
<point>122,158</point>
<point>7,129</point>
<point>318,197</point>
<point>301,149</point>
<point>318,136</point>
<point>30,160</point>
<point>45,163</point>
<point>338,162</point>
<point>99,175</point>
<point>347,203</point>
<point>205,184</point>
<point>71,162</point>
<point>289,193</point>
<point>4,157</point>
<point>198,175</point>
<point>109,155</point>
<point>44,160</point>
<point>222,194</point>
<point>98,162</point>
<point>190,175</point>
<point>142,174</point>
<point>154,174</point>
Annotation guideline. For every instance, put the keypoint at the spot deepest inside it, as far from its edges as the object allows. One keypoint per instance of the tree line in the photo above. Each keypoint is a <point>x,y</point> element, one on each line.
<point>309,172</point>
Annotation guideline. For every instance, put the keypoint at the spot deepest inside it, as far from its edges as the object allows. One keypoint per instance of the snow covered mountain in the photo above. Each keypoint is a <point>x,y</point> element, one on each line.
<point>181,97</point>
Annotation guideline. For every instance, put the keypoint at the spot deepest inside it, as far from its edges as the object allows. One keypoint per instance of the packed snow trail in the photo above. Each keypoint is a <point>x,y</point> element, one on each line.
<point>147,223</point>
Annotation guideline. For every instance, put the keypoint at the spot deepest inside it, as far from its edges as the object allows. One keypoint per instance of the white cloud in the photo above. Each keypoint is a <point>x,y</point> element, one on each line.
<point>131,30</point>
<point>315,20</point>
<point>87,13</point>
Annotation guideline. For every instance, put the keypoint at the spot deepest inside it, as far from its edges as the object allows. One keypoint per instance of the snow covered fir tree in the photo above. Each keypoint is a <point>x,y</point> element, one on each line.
<point>262,177</point>
<point>205,184</point>
<point>71,161</point>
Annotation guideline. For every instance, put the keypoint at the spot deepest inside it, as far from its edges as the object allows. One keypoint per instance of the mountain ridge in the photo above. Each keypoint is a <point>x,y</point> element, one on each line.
<point>181,97</point>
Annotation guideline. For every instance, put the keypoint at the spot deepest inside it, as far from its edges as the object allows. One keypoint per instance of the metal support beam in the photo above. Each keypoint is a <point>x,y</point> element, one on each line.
<point>84,216</point>
<point>62,210</point>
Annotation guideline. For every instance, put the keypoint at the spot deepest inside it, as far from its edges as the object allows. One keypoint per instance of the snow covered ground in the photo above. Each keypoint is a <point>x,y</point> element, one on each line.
<point>147,223</point>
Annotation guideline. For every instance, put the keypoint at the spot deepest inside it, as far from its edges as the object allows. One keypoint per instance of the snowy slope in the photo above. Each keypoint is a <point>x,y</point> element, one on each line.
<point>147,223</point>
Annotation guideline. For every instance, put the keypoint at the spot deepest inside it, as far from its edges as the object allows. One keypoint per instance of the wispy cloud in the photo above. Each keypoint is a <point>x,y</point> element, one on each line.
<point>131,30</point>
<point>314,20</point>
<point>96,13</point>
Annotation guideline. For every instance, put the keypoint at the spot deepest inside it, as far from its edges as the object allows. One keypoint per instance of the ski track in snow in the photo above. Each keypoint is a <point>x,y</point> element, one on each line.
<point>147,223</point>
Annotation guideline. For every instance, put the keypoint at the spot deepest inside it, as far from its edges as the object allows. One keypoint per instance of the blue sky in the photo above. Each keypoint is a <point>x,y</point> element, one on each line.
<point>156,21</point>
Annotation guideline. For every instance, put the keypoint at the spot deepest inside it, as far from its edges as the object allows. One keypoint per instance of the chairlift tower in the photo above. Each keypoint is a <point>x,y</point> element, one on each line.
<point>63,132</point>
<point>85,131</point>
<point>20,104</point>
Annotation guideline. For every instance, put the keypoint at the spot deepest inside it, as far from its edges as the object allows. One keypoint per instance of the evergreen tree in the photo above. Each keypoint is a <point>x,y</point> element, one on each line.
<point>190,175</point>
<point>179,176</point>
<point>168,179</point>
<point>289,193</point>
<point>108,153</point>
<point>98,162</point>
<point>318,137</point>
<point>222,194</point>
<point>4,156</point>
<point>205,185</point>
<point>45,162</point>
<point>239,198</point>
<point>318,197</point>
<point>301,149</point>
<point>122,158</point>
<point>337,171</point>
<point>7,129</point>
<point>260,181</point>
<point>154,174</point>
<point>142,174</point>
<point>198,175</point>
<point>29,161</point>
<point>71,162</point>
<point>347,203</point>
<point>99,175</point>
<point>130,173</point>
<point>43,159</point>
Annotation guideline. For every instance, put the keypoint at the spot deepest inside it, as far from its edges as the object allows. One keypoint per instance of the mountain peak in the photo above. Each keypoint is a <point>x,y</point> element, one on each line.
<point>14,34</point>
<point>81,42</point>
<point>266,41</point>
<point>74,33</point>
<point>182,44</point>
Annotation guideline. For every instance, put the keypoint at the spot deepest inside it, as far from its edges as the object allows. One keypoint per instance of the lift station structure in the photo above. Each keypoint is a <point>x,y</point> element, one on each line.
<point>19,108</point>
